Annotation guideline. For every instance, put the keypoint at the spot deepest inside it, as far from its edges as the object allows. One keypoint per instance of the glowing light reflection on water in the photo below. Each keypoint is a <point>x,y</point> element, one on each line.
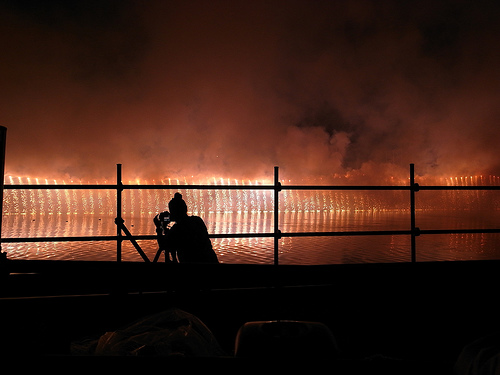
<point>71,212</point>
<point>298,250</point>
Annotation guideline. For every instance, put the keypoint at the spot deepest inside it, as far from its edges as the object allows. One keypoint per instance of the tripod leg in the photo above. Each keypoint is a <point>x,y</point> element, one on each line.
<point>134,242</point>
<point>157,256</point>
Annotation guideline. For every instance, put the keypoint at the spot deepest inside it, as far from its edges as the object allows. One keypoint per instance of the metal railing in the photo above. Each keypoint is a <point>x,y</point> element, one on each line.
<point>123,233</point>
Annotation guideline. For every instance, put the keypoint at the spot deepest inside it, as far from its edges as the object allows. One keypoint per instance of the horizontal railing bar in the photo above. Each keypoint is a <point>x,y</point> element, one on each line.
<point>343,187</point>
<point>241,235</point>
<point>218,235</point>
<point>457,231</point>
<point>58,239</point>
<point>144,187</point>
<point>201,187</point>
<point>258,235</point>
<point>245,187</point>
<point>388,187</point>
<point>61,187</point>
<point>205,187</point>
<point>346,233</point>
<point>114,238</point>
<point>385,233</point>
<point>430,187</point>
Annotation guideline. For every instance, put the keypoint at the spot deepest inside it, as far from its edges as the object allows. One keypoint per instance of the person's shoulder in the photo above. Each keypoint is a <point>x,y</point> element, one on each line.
<point>196,220</point>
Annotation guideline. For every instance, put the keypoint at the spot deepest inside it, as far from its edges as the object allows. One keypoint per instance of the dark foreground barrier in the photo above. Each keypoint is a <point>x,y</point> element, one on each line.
<point>420,313</point>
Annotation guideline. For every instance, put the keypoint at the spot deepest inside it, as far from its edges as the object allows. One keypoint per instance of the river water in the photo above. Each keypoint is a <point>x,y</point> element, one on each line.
<point>292,250</point>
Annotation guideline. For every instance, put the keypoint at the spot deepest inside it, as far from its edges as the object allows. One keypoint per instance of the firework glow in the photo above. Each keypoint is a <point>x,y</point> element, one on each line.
<point>218,200</point>
<point>232,88</point>
<point>217,93</point>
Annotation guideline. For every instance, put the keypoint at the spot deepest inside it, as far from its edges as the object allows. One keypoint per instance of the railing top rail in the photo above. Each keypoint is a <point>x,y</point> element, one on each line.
<point>439,187</point>
<point>246,187</point>
<point>345,187</point>
<point>61,187</point>
<point>145,187</point>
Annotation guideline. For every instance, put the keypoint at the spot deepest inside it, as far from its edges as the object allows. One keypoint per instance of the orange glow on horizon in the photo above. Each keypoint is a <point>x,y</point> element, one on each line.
<point>149,201</point>
<point>469,180</point>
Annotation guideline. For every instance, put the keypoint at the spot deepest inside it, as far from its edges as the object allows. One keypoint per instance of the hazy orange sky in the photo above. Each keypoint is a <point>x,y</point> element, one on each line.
<point>232,88</point>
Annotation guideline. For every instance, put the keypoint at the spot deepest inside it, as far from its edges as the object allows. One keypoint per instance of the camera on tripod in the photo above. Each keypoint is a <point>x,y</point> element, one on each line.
<point>162,220</point>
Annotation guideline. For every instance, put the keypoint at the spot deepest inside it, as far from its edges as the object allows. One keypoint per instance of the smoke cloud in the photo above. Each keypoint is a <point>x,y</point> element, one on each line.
<point>233,88</point>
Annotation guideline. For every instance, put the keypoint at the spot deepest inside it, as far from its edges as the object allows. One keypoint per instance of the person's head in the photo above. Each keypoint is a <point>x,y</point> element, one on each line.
<point>177,207</point>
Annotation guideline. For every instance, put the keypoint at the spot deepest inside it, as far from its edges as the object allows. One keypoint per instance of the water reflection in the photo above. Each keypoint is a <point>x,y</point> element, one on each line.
<point>296,250</point>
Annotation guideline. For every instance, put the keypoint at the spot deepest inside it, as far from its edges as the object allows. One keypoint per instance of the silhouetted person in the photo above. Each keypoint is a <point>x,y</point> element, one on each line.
<point>187,241</point>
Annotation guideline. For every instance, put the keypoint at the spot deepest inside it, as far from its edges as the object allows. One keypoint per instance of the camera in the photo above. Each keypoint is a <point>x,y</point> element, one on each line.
<point>163,219</point>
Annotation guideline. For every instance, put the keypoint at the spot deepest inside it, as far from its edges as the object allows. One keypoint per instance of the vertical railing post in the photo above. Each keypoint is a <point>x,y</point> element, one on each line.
<point>277,232</point>
<point>119,219</point>
<point>3,140</point>
<point>414,229</point>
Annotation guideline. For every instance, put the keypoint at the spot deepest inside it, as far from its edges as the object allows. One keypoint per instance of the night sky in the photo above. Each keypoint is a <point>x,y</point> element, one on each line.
<point>233,88</point>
